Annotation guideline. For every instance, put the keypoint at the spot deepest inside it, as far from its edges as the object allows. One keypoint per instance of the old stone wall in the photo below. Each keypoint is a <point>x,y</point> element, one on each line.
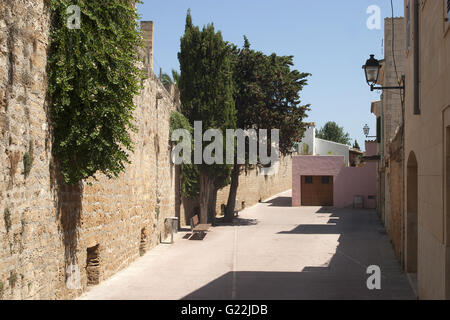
<point>255,187</point>
<point>56,239</point>
<point>29,240</point>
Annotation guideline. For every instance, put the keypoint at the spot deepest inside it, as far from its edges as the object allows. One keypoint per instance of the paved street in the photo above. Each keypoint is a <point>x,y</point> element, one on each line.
<point>276,252</point>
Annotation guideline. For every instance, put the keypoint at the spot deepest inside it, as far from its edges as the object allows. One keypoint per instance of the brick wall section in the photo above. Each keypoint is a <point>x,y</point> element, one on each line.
<point>392,107</point>
<point>46,227</point>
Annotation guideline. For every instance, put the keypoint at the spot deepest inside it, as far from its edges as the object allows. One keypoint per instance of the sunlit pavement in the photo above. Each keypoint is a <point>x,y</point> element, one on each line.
<point>276,252</point>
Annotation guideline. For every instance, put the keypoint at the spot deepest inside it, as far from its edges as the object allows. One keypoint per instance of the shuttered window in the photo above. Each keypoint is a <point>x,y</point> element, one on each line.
<point>379,129</point>
<point>447,10</point>
<point>408,23</point>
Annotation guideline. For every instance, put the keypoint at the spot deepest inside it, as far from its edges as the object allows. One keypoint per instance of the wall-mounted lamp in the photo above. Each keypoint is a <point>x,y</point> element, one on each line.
<point>372,71</point>
<point>366,130</point>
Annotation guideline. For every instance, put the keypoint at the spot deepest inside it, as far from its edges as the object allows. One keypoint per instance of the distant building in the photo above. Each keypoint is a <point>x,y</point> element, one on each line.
<point>388,111</point>
<point>313,146</point>
<point>324,180</point>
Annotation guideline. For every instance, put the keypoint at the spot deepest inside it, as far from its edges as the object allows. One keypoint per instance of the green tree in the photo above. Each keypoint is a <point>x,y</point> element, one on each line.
<point>266,97</point>
<point>93,79</point>
<point>356,145</point>
<point>206,94</point>
<point>167,79</point>
<point>190,182</point>
<point>331,131</point>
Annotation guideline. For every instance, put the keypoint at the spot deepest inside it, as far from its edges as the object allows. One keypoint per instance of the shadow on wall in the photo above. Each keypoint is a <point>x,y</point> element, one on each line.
<point>68,211</point>
<point>361,244</point>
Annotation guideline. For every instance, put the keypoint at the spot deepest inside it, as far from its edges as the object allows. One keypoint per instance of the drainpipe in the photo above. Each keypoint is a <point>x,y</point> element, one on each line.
<point>416,58</point>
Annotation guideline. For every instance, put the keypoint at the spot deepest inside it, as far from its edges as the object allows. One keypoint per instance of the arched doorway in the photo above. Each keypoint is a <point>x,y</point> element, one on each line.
<point>411,244</point>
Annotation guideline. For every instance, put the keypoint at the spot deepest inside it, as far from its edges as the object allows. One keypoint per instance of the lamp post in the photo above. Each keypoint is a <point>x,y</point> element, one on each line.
<point>372,71</point>
<point>366,130</point>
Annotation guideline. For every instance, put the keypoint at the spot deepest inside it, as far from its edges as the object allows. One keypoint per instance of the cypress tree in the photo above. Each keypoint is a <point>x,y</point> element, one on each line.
<point>206,92</point>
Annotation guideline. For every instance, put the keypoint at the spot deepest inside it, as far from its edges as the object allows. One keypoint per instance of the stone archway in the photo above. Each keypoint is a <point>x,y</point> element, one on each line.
<point>411,223</point>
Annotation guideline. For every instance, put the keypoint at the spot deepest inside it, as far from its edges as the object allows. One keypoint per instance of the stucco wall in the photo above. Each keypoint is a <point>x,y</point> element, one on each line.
<point>348,181</point>
<point>425,139</point>
<point>324,148</point>
<point>308,140</point>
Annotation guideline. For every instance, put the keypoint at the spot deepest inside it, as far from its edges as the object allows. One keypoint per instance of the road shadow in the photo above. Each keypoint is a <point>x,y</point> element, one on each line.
<point>343,277</point>
<point>280,202</point>
<point>237,221</point>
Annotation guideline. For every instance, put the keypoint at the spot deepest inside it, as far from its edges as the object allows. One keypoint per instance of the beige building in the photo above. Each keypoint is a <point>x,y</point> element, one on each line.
<point>389,130</point>
<point>426,240</point>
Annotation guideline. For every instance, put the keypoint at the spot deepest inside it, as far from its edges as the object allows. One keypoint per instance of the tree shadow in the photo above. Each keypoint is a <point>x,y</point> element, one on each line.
<point>237,221</point>
<point>281,202</point>
<point>68,213</point>
<point>343,277</point>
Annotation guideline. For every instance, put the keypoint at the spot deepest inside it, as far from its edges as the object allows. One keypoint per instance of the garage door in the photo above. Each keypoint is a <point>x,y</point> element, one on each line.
<point>317,191</point>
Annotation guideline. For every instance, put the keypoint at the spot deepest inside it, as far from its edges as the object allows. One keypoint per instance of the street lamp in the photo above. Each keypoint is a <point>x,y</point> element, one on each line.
<point>372,71</point>
<point>366,130</point>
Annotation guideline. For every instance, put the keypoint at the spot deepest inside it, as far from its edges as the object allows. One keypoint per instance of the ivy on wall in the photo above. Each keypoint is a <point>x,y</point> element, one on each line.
<point>93,78</point>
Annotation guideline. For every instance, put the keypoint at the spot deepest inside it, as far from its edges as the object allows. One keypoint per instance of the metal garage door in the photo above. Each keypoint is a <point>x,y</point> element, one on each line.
<point>317,191</point>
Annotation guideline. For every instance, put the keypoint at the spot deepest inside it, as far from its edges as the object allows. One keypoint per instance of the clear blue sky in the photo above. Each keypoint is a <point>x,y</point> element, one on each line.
<point>327,38</point>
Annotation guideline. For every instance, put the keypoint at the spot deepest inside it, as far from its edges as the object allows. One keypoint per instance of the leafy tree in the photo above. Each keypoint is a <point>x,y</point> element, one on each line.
<point>166,79</point>
<point>93,79</point>
<point>331,131</point>
<point>267,97</point>
<point>206,93</point>
<point>356,145</point>
<point>190,182</point>
<point>175,77</point>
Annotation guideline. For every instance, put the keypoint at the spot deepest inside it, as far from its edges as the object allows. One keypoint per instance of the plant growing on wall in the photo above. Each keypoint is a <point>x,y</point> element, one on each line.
<point>93,78</point>
<point>7,218</point>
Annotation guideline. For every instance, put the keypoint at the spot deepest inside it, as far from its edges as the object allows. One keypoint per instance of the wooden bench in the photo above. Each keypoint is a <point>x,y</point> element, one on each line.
<point>197,227</point>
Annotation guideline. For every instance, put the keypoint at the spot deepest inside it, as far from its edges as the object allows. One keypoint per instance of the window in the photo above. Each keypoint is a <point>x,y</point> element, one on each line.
<point>408,24</point>
<point>309,180</point>
<point>379,130</point>
<point>447,17</point>
<point>325,180</point>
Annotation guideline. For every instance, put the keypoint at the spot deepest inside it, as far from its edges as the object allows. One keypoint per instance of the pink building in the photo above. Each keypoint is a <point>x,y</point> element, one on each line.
<point>327,181</point>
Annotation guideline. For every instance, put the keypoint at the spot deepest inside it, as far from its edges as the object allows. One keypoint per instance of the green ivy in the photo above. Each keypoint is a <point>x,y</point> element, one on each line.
<point>28,159</point>
<point>93,78</point>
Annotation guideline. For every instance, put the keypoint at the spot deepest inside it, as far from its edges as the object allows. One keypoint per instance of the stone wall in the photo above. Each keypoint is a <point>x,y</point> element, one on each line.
<point>394,176</point>
<point>255,187</point>
<point>29,239</point>
<point>56,239</point>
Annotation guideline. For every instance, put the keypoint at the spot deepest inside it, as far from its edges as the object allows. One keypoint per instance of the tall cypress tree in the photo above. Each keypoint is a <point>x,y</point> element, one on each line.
<point>206,93</point>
